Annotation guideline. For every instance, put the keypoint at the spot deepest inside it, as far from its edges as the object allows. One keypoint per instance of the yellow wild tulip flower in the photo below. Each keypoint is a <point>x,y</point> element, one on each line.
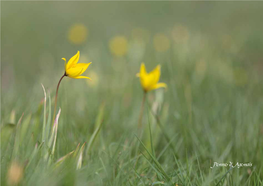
<point>149,81</point>
<point>73,69</point>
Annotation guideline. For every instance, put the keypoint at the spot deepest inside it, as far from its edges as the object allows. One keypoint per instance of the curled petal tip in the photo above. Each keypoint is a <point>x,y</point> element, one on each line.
<point>64,59</point>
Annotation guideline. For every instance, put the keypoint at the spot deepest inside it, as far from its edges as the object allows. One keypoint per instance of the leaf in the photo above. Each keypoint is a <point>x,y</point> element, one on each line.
<point>48,131</point>
<point>55,126</point>
<point>63,158</point>
<point>49,117</point>
<point>71,154</point>
<point>155,161</point>
<point>76,150</point>
<point>33,155</point>
<point>24,127</point>
<point>53,138</point>
<point>45,115</point>
<point>79,163</point>
<point>16,144</point>
<point>97,130</point>
<point>13,116</point>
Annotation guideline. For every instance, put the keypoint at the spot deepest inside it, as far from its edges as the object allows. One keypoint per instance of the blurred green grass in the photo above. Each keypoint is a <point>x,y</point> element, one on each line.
<point>211,58</point>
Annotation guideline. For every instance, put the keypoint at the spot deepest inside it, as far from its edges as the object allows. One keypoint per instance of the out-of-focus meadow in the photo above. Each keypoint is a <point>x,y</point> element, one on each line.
<point>211,57</point>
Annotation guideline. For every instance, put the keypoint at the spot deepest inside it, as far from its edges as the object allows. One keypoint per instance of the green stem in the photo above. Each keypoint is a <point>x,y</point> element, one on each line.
<point>141,112</point>
<point>56,98</point>
<point>167,138</point>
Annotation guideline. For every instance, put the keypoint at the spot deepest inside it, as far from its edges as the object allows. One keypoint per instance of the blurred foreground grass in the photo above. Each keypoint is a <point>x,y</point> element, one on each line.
<point>211,58</point>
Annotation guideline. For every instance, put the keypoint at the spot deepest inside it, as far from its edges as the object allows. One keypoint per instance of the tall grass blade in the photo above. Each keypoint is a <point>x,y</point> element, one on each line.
<point>150,132</point>
<point>63,158</point>
<point>164,133</point>
<point>98,124</point>
<point>13,116</point>
<point>154,160</point>
<point>33,155</point>
<point>49,125</point>
<point>79,163</point>
<point>55,132</point>
<point>17,137</point>
<point>24,127</point>
<point>45,114</point>
<point>71,154</point>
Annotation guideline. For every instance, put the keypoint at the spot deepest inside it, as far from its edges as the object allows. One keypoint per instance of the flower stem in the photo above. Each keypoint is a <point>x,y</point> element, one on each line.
<point>56,98</point>
<point>141,112</point>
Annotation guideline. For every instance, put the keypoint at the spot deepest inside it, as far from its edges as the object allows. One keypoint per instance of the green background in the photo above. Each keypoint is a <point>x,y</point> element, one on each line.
<point>211,111</point>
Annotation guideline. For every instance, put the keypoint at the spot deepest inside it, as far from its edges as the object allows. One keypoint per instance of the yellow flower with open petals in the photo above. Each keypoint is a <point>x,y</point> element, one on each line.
<point>149,81</point>
<point>73,69</point>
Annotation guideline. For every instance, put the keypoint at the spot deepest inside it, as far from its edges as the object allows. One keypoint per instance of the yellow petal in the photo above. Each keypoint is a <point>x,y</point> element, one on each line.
<point>73,61</point>
<point>74,72</point>
<point>138,75</point>
<point>143,70</point>
<point>77,70</point>
<point>143,77</point>
<point>148,80</point>
<point>83,67</point>
<point>158,85</point>
<point>81,77</point>
<point>155,74</point>
<point>65,61</point>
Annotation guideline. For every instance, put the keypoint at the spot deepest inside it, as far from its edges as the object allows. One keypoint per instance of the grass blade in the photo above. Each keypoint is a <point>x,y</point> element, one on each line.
<point>49,117</point>
<point>97,130</point>
<point>45,114</point>
<point>17,137</point>
<point>155,161</point>
<point>56,132</point>
<point>79,163</point>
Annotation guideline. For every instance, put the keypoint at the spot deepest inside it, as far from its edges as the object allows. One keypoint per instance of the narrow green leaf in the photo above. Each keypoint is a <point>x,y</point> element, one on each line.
<point>33,155</point>
<point>79,163</point>
<point>154,160</point>
<point>97,130</point>
<point>13,116</point>
<point>45,115</point>
<point>62,159</point>
<point>16,144</point>
<point>49,124</point>
<point>55,132</point>
<point>76,150</point>
<point>24,127</point>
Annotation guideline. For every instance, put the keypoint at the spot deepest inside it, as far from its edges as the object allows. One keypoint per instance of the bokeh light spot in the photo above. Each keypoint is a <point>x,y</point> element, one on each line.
<point>78,34</point>
<point>94,79</point>
<point>15,173</point>
<point>118,46</point>
<point>180,34</point>
<point>161,42</point>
